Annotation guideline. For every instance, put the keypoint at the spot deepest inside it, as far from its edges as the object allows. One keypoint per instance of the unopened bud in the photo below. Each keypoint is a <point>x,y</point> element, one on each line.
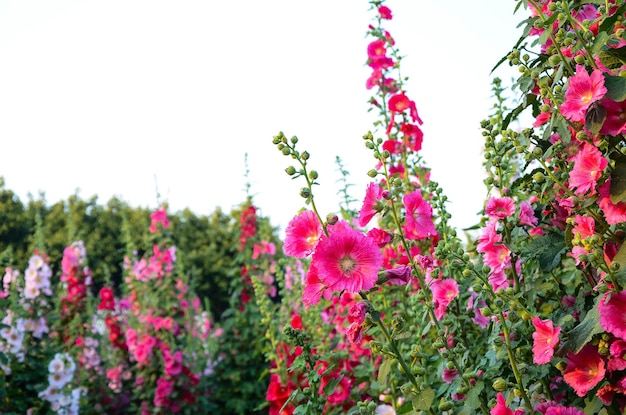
<point>500,385</point>
<point>290,170</point>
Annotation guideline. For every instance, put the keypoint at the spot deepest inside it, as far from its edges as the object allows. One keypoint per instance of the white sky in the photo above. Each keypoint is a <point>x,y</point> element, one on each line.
<point>104,96</point>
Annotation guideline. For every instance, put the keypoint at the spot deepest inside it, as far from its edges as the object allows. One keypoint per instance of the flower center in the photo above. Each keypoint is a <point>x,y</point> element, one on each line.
<point>347,264</point>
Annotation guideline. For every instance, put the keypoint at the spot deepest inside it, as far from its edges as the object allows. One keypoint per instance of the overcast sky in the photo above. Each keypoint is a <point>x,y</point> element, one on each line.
<point>104,97</point>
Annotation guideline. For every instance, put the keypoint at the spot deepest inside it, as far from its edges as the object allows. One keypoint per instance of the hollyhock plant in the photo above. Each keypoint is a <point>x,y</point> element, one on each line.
<point>583,90</point>
<point>545,339</point>
<point>612,310</point>
<point>584,370</point>
<point>588,167</point>
<point>302,234</point>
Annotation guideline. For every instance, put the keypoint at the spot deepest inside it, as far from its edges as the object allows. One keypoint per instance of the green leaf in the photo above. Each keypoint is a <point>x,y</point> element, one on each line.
<point>424,400</point>
<point>580,335</point>
<point>599,42</point>
<point>618,182</point>
<point>592,405</point>
<point>472,400</point>
<point>616,87</point>
<point>595,117</point>
<point>298,363</point>
<point>609,22</point>
<point>383,371</point>
<point>548,250</point>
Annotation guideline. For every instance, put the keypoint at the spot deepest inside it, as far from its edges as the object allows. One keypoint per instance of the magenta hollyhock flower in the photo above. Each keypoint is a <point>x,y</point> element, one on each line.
<point>377,49</point>
<point>584,370</point>
<point>356,312</point>
<point>413,136</point>
<point>347,260</point>
<point>488,237</point>
<point>582,91</point>
<point>500,207</point>
<point>399,103</point>
<point>527,214</point>
<point>419,217</point>
<point>444,291</point>
<point>380,237</point>
<point>374,79</point>
<point>584,226</point>
<point>302,234</point>
<point>385,12</point>
<point>501,408</point>
<point>615,122</point>
<point>588,166</point>
<point>545,338</point>
<point>313,287</point>
<point>616,359</point>
<point>497,257</point>
<point>400,275</point>
<point>613,314</point>
<point>553,408</point>
<point>614,213</point>
<point>355,333</point>
<point>371,203</point>
<point>159,216</point>
<point>448,375</point>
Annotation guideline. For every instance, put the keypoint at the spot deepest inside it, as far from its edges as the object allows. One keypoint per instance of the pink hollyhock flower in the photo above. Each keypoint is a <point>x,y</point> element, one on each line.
<point>584,227</point>
<point>385,12</point>
<point>500,207</point>
<point>380,237</point>
<point>374,79</point>
<point>444,291</point>
<point>355,332</point>
<point>377,49</point>
<point>553,408</point>
<point>488,237</point>
<point>302,234</point>
<point>527,214</point>
<point>613,314</point>
<point>399,103</point>
<point>356,312</point>
<point>419,223</point>
<point>400,275</point>
<point>542,118</point>
<point>584,370</point>
<point>448,375</point>
<point>497,257</point>
<point>313,287</point>
<point>588,166</point>
<point>616,360</point>
<point>582,91</point>
<point>413,136</point>
<point>614,213</point>
<point>159,216</point>
<point>501,408</point>
<point>347,260</point>
<point>498,279</point>
<point>545,338</point>
<point>615,122</point>
<point>371,203</point>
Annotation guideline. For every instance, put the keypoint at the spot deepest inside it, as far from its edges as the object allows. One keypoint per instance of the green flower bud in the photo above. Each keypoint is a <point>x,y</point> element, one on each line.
<point>372,173</point>
<point>445,405</point>
<point>331,219</point>
<point>294,139</point>
<point>290,170</point>
<point>305,155</point>
<point>500,385</point>
<point>305,192</point>
<point>539,177</point>
<point>313,174</point>
<point>286,151</point>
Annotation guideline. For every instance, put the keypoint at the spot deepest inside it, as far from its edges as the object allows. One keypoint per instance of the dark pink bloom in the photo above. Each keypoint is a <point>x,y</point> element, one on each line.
<point>588,166</point>
<point>582,91</point>
<point>614,213</point>
<point>380,237</point>
<point>584,227</point>
<point>500,207</point>
<point>399,103</point>
<point>385,12</point>
<point>313,287</point>
<point>400,275</point>
<point>377,49</point>
<point>356,312</point>
<point>615,122</point>
<point>613,314</point>
<point>501,408</point>
<point>159,216</point>
<point>553,408</point>
<point>302,234</point>
<point>527,214</point>
<point>371,203</point>
<point>542,118</point>
<point>545,338</point>
<point>444,291</point>
<point>419,223</point>
<point>347,260</point>
<point>584,370</point>
<point>413,136</point>
<point>355,332</point>
<point>616,360</point>
<point>448,375</point>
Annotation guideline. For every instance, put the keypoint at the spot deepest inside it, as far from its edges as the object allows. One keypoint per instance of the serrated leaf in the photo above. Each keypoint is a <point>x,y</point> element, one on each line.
<point>592,405</point>
<point>383,371</point>
<point>548,250</point>
<point>615,86</point>
<point>424,400</point>
<point>472,400</point>
<point>618,182</point>
<point>580,335</point>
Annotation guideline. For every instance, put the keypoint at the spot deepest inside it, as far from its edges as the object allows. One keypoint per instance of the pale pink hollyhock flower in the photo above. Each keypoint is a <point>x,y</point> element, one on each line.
<point>371,203</point>
<point>488,237</point>
<point>419,217</point>
<point>527,214</point>
<point>497,257</point>
<point>613,314</point>
<point>582,91</point>
<point>500,207</point>
<point>302,234</point>
<point>588,166</point>
<point>545,338</point>
<point>501,408</point>
<point>614,213</point>
<point>584,370</point>
<point>385,410</point>
<point>347,260</point>
<point>444,291</point>
<point>498,280</point>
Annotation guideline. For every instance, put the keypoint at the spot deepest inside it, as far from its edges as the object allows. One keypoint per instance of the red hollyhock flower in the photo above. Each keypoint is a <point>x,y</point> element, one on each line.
<point>584,370</point>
